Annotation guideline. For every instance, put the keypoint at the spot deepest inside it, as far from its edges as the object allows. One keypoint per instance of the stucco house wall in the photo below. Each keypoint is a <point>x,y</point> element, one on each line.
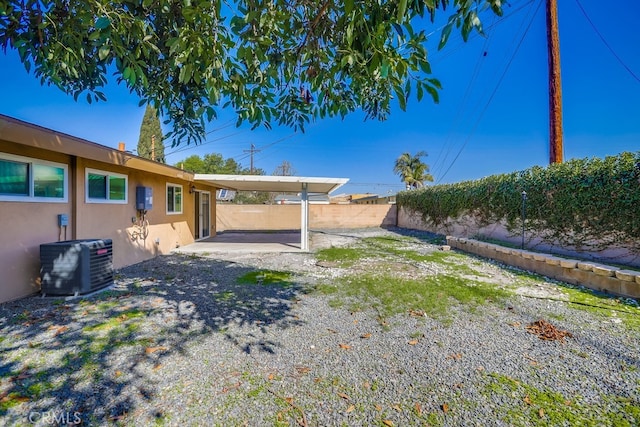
<point>25,224</point>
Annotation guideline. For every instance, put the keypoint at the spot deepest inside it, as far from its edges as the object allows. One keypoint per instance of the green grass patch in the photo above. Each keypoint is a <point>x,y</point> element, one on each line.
<point>390,295</point>
<point>535,407</point>
<point>114,322</point>
<point>224,296</point>
<point>604,306</point>
<point>266,277</point>
<point>107,305</point>
<point>344,256</point>
<point>11,400</point>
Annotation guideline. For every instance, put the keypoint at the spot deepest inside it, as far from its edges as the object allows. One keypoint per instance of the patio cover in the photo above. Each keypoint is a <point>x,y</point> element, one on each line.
<point>288,184</point>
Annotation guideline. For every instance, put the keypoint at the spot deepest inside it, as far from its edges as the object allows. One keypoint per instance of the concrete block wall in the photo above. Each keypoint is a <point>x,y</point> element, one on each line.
<point>592,275</point>
<point>287,217</point>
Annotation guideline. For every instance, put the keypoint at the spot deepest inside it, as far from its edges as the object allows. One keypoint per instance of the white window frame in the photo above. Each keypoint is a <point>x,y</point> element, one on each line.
<point>108,174</point>
<point>166,204</point>
<point>30,197</point>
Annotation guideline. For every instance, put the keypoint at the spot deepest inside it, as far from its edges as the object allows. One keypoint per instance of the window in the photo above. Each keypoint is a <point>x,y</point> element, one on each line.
<point>106,187</point>
<point>174,199</point>
<point>31,180</point>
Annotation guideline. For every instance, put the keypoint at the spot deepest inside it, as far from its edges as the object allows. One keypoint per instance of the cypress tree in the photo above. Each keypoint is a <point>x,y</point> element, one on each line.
<point>149,128</point>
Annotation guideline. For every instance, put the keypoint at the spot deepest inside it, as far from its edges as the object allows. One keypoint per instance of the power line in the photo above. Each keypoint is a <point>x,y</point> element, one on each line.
<point>584,12</point>
<point>495,90</point>
<point>451,50</point>
<point>448,145</point>
<point>463,103</point>
<point>191,147</point>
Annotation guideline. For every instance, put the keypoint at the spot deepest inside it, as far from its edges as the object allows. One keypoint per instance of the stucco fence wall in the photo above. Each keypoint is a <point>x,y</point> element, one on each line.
<point>287,217</point>
<point>469,227</point>
<point>595,275</point>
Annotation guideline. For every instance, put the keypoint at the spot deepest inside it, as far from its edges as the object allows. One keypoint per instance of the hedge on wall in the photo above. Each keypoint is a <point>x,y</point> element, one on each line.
<point>588,203</point>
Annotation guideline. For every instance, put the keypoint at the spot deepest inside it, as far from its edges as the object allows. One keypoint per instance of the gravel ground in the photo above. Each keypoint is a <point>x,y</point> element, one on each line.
<point>178,341</point>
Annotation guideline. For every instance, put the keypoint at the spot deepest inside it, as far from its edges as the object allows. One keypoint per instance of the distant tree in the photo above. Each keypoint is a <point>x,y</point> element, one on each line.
<point>214,163</point>
<point>413,171</point>
<point>150,130</point>
<point>285,169</point>
<point>193,164</point>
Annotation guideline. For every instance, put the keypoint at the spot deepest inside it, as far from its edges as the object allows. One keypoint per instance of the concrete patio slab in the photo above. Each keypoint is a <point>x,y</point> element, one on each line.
<point>245,242</point>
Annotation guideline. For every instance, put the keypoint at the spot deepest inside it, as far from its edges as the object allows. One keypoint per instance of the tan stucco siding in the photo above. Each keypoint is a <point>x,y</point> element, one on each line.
<point>24,226</point>
<point>114,221</point>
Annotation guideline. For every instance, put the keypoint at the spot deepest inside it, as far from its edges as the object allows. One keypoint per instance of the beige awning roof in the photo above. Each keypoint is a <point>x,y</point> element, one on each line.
<point>272,183</point>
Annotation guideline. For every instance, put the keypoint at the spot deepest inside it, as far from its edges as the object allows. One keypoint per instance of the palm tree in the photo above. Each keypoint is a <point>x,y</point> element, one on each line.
<point>413,171</point>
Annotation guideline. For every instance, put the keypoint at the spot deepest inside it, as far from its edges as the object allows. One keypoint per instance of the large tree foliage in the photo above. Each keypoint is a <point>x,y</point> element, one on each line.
<point>412,170</point>
<point>282,61</point>
<point>214,163</point>
<point>150,144</point>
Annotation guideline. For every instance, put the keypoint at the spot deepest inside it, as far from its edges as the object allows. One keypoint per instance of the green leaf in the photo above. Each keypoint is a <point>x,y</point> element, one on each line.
<point>446,32</point>
<point>402,101</point>
<point>102,23</point>
<point>425,67</point>
<point>129,75</point>
<point>348,7</point>
<point>384,70</point>
<point>434,93</point>
<point>103,52</point>
<point>398,29</point>
<point>402,9</point>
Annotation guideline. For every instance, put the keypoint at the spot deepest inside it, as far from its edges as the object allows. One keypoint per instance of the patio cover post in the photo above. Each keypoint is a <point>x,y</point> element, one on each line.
<point>304,220</point>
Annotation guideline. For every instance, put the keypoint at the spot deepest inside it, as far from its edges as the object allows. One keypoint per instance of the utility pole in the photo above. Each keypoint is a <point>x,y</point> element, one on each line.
<point>555,88</point>
<point>251,152</point>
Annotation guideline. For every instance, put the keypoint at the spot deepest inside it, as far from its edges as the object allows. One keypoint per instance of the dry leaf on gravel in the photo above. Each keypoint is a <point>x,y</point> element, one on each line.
<point>351,408</point>
<point>417,313</point>
<point>345,346</point>
<point>413,342</point>
<point>151,350</point>
<point>445,408</point>
<point>388,423</point>
<point>546,331</point>
<point>418,409</point>
<point>365,336</point>
<point>344,396</point>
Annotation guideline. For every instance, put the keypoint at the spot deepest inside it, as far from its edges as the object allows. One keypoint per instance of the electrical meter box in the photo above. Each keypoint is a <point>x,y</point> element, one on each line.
<point>144,198</point>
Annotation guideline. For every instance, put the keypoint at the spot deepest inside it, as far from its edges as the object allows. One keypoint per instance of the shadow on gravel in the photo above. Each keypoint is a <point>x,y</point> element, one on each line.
<point>93,360</point>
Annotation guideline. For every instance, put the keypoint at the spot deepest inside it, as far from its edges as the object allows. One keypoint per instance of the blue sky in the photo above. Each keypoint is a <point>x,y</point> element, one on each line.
<point>492,117</point>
